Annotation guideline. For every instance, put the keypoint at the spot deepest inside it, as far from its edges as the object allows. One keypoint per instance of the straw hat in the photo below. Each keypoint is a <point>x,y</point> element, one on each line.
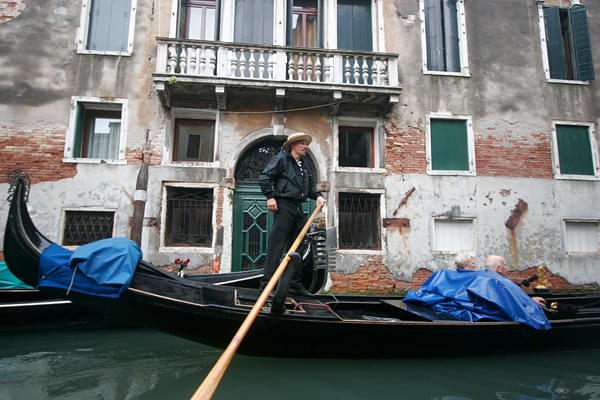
<point>296,137</point>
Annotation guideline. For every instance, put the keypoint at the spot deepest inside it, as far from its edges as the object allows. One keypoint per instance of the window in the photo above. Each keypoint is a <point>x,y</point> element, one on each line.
<point>108,26</point>
<point>254,21</point>
<point>568,51</point>
<point>359,221</point>
<point>354,26</point>
<point>444,36</point>
<point>83,227</point>
<point>582,237</point>
<point>189,214</point>
<point>194,140</point>
<point>450,148</point>
<point>575,155</point>
<point>453,235</point>
<point>356,147</point>
<point>96,131</point>
<point>304,25</point>
<point>197,20</point>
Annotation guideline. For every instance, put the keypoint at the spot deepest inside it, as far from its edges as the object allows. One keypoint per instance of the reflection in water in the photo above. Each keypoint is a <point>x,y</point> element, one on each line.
<point>142,364</point>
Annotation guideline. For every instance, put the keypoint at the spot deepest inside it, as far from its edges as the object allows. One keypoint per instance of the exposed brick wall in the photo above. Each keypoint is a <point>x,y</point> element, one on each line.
<point>376,278</point>
<point>501,153</point>
<point>38,150</point>
<point>134,156</point>
<point>405,150</point>
<point>10,9</point>
<point>219,218</point>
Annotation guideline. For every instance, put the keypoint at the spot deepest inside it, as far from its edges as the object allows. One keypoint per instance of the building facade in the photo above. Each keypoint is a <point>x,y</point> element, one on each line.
<point>436,130</point>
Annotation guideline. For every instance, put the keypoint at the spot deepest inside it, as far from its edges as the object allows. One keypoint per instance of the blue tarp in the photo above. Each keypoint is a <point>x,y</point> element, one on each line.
<point>475,295</point>
<point>102,268</point>
<point>8,280</point>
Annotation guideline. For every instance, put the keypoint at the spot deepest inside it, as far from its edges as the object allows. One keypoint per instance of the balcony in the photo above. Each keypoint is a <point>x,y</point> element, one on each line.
<point>194,73</point>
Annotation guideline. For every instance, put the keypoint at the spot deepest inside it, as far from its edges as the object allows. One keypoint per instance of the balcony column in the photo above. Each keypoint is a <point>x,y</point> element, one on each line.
<point>279,69</point>
<point>338,68</point>
<point>161,58</point>
<point>223,66</point>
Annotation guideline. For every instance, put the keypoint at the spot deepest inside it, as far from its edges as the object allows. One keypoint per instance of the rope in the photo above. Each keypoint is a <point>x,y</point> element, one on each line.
<point>72,279</point>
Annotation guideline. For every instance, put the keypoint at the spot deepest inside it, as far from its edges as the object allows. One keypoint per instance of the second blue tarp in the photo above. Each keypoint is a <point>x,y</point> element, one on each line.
<point>476,295</point>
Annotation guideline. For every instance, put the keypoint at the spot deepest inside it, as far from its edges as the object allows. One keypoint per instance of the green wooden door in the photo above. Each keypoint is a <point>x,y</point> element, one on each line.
<point>251,224</point>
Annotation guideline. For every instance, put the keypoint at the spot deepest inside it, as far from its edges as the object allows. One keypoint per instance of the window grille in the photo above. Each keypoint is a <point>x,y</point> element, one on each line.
<point>189,217</point>
<point>359,221</point>
<point>83,227</point>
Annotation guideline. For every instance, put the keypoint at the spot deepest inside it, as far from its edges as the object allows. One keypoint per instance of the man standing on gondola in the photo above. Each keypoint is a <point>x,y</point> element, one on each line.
<point>287,182</point>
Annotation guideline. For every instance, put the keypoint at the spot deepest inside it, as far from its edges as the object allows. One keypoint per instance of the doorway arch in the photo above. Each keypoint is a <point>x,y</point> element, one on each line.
<point>251,219</point>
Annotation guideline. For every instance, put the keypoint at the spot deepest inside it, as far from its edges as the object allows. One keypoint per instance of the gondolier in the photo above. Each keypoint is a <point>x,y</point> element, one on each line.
<point>287,182</point>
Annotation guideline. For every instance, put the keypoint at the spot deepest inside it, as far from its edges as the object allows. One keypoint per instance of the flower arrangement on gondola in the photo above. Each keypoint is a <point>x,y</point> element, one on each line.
<point>181,264</point>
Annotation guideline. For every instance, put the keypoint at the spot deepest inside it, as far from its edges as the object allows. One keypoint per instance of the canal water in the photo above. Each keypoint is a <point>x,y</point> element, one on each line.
<point>120,364</point>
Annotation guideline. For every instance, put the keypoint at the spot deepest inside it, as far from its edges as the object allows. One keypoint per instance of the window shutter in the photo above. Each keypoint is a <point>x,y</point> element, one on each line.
<point>449,145</point>
<point>434,35</point>
<point>119,27</point>
<point>354,25</point>
<point>574,150</point>
<point>254,21</point>
<point>582,48</point>
<point>451,36</point>
<point>109,25</point>
<point>556,55</point>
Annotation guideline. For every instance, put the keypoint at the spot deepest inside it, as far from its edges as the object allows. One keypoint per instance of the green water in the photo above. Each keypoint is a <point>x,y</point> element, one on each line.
<point>142,364</point>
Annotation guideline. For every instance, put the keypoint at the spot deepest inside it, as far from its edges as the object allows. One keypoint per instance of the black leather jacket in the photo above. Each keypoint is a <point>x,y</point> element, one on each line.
<point>281,178</point>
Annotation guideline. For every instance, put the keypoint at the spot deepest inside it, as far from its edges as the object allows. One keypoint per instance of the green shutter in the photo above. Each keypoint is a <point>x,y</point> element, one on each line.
<point>556,55</point>
<point>452,56</point>
<point>449,145</point>
<point>582,48</point>
<point>109,25</point>
<point>434,35</point>
<point>79,131</point>
<point>354,25</point>
<point>574,150</point>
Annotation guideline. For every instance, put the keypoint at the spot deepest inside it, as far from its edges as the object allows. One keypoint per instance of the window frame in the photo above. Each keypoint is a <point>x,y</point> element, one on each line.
<point>378,143</point>
<point>177,137</point>
<point>473,221</point>
<point>565,221</point>
<point>169,149</point>
<point>63,221</point>
<point>95,103</point>
<point>84,27</point>
<point>163,215</point>
<point>472,171</point>
<point>594,150</point>
<point>182,24</point>
<point>544,47</point>
<point>383,246</point>
<point>465,70</point>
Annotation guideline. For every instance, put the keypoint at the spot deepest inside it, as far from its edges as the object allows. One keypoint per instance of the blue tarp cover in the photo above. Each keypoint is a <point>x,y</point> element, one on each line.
<point>8,280</point>
<point>474,295</point>
<point>103,268</point>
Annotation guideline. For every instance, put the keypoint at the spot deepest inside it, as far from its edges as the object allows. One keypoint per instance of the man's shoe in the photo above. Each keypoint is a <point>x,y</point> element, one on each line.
<point>296,291</point>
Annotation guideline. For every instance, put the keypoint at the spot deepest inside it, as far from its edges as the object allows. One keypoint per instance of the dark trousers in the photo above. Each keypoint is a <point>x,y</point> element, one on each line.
<point>287,224</point>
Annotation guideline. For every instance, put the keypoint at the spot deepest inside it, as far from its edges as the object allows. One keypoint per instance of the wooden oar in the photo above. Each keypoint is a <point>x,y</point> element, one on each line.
<point>210,383</point>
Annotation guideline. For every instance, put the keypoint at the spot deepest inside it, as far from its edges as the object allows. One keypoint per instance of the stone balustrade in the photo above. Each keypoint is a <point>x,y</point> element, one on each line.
<point>195,58</point>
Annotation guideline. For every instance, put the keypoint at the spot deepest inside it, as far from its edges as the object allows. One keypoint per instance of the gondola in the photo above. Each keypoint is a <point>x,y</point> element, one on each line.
<point>325,325</point>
